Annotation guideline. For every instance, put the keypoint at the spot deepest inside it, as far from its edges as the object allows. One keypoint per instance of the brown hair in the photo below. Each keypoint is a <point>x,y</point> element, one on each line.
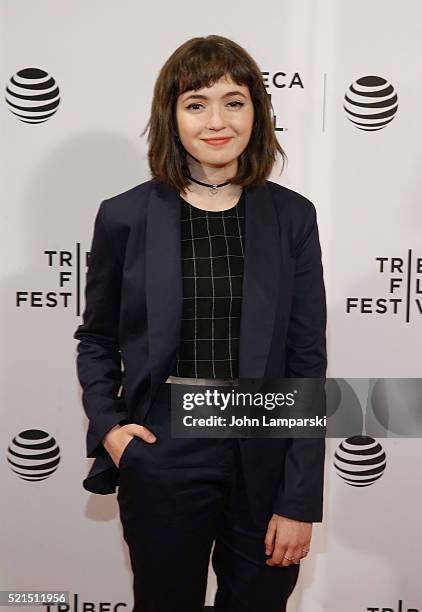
<point>200,62</point>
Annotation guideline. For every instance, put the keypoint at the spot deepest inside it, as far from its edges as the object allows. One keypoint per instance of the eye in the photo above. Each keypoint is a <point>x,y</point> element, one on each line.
<point>192,105</point>
<point>196,104</point>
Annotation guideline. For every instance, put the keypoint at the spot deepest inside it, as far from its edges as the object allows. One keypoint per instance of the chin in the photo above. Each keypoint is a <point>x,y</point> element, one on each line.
<point>216,160</point>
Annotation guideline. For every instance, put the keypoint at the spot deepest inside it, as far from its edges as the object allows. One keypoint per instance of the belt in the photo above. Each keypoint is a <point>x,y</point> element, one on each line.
<point>217,382</point>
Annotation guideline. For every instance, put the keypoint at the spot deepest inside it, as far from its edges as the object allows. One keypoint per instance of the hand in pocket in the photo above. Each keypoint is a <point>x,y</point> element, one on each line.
<point>118,438</point>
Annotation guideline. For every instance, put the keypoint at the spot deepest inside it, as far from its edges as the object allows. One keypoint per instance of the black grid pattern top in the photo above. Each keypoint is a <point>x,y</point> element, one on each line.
<point>212,252</point>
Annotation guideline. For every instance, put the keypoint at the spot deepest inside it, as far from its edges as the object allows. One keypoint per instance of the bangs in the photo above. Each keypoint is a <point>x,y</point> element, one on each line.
<point>206,64</point>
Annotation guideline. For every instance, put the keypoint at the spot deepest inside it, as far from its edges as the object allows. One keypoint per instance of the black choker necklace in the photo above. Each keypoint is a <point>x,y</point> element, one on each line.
<point>213,188</point>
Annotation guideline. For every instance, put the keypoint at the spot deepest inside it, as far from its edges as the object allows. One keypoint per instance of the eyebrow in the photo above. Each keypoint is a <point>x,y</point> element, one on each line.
<point>202,97</point>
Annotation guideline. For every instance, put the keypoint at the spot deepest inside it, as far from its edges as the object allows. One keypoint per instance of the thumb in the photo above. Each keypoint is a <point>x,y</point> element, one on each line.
<point>269,538</point>
<point>144,433</point>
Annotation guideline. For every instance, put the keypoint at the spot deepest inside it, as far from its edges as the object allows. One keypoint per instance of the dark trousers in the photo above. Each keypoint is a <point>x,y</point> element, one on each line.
<point>178,496</point>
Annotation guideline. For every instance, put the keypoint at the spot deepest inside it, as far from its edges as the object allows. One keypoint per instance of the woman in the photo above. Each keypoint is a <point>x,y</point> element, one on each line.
<point>206,274</point>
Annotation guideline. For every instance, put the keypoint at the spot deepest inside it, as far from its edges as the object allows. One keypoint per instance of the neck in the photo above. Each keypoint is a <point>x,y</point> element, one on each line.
<point>211,174</point>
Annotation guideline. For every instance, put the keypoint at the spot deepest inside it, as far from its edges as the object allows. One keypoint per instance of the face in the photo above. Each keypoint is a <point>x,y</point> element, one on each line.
<point>224,111</point>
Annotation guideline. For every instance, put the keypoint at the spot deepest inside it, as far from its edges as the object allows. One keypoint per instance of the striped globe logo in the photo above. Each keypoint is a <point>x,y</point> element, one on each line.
<point>32,95</point>
<point>360,461</point>
<point>370,103</point>
<point>33,455</point>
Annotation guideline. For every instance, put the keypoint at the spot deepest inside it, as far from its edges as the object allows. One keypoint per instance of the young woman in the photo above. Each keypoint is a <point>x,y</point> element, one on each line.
<point>207,274</point>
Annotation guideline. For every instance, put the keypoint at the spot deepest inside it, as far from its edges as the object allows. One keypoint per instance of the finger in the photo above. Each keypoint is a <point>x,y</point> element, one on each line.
<point>297,555</point>
<point>280,547</point>
<point>270,538</point>
<point>290,554</point>
<point>277,556</point>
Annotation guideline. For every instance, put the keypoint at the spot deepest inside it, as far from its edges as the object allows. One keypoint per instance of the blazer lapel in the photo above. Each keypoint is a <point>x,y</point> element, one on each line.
<point>164,290</point>
<point>261,281</point>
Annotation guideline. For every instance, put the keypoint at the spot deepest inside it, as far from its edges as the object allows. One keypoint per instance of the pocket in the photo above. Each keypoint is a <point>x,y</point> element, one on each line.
<point>125,453</point>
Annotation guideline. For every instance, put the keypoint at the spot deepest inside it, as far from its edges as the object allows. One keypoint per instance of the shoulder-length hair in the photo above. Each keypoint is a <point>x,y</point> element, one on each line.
<point>200,62</point>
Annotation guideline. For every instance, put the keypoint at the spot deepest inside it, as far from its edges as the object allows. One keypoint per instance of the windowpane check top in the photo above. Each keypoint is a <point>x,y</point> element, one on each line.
<point>212,252</point>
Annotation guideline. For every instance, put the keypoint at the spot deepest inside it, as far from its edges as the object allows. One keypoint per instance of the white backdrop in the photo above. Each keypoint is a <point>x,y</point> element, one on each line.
<point>104,57</point>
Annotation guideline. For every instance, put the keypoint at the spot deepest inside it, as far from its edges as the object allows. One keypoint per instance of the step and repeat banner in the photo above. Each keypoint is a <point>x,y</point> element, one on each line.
<point>77,81</point>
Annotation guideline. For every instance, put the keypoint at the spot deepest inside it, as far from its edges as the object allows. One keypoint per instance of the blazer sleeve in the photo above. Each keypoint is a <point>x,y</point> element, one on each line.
<point>300,495</point>
<point>98,356</point>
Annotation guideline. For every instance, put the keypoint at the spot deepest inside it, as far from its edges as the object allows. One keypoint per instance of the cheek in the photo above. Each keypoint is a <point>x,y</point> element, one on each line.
<point>244,131</point>
<point>190,127</point>
<point>244,124</point>
<point>184,122</point>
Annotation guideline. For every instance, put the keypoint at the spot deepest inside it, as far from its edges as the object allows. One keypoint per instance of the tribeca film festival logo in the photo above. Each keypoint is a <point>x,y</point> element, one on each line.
<point>76,604</point>
<point>281,80</point>
<point>33,455</point>
<point>370,103</point>
<point>68,292</point>
<point>32,95</point>
<point>399,608</point>
<point>403,295</point>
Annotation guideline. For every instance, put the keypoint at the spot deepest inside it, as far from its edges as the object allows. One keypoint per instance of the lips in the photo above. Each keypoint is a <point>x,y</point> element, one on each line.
<point>216,141</point>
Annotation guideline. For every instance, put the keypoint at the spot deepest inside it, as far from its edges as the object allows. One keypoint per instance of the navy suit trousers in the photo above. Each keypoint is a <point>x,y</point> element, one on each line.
<point>178,497</point>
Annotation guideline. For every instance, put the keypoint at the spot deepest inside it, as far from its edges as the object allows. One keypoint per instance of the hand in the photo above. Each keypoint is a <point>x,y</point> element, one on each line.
<point>286,537</point>
<point>116,440</point>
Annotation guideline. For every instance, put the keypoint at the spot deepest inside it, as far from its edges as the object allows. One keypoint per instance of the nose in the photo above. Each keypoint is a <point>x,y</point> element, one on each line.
<point>215,120</point>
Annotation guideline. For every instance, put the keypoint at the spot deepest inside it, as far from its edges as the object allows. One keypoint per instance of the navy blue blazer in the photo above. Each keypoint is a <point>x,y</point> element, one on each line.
<point>132,317</point>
